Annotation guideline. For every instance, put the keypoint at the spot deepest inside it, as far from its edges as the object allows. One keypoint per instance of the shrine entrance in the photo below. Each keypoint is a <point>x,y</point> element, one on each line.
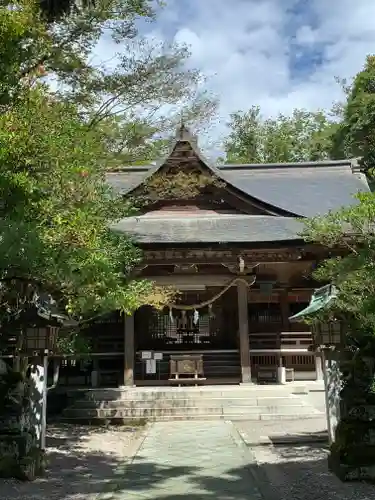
<point>208,331</point>
<point>186,327</point>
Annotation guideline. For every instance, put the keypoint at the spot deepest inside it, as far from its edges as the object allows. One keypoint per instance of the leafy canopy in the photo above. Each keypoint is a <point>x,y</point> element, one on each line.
<point>55,207</point>
<point>350,233</point>
<point>136,95</point>
<point>355,136</point>
<point>303,136</point>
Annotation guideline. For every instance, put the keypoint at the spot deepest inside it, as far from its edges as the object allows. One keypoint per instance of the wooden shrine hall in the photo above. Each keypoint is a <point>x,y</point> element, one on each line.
<point>228,238</point>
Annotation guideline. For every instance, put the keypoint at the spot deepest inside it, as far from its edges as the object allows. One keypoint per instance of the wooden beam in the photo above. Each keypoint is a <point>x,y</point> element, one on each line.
<point>205,280</point>
<point>209,256</point>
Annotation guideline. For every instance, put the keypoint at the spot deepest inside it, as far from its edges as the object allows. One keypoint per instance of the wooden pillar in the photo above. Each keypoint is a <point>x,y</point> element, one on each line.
<point>285,310</point>
<point>129,350</point>
<point>243,329</point>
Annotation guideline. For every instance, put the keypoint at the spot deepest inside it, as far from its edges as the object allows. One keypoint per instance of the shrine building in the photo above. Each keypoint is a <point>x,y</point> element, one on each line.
<point>228,237</point>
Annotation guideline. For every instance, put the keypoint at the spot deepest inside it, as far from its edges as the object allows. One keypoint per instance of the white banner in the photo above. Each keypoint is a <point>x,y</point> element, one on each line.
<point>146,355</point>
<point>150,366</point>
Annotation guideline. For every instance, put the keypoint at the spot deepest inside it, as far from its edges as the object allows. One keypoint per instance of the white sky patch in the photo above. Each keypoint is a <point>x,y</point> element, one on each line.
<point>248,49</point>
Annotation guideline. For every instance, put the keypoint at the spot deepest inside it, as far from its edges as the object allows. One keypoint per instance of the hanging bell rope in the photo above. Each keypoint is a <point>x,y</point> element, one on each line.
<point>213,299</point>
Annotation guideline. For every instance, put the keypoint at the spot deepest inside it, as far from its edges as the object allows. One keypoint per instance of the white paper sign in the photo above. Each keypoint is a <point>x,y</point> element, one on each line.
<point>158,356</point>
<point>146,354</point>
<point>150,366</point>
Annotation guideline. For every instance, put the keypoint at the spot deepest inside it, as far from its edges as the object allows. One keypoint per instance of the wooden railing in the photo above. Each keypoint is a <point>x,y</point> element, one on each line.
<point>296,339</point>
<point>301,362</point>
<point>280,340</point>
<point>289,349</point>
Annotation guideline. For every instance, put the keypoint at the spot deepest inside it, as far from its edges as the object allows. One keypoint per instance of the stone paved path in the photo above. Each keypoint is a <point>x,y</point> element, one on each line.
<point>187,461</point>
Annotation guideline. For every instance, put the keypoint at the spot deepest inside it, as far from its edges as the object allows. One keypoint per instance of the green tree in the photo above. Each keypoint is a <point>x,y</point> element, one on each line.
<point>132,143</point>
<point>303,136</point>
<point>56,210</point>
<point>355,136</point>
<point>54,10</point>
<point>350,232</point>
<point>143,81</point>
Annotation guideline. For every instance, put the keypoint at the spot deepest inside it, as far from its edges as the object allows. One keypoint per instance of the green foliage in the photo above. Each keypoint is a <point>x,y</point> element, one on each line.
<point>138,95</point>
<point>350,234</point>
<point>304,136</point>
<point>73,342</point>
<point>350,231</point>
<point>22,38</point>
<point>56,209</point>
<point>55,10</point>
<point>356,135</point>
<point>132,143</point>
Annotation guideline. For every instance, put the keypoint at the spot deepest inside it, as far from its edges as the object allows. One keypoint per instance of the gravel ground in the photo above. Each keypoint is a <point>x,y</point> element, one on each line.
<point>82,461</point>
<point>301,473</point>
<point>263,432</point>
<point>296,471</point>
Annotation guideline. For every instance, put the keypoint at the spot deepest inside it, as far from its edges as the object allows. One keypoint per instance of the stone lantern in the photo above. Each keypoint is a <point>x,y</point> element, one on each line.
<point>327,332</point>
<point>328,339</point>
<point>348,376</point>
<point>23,404</point>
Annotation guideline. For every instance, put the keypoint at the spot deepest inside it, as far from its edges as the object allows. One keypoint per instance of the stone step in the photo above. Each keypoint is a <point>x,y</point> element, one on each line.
<point>202,402</point>
<point>142,394</point>
<point>201,416</point>
<point>139,413</point>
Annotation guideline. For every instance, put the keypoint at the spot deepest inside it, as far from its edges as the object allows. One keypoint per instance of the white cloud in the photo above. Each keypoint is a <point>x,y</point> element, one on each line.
<point>279,54</point>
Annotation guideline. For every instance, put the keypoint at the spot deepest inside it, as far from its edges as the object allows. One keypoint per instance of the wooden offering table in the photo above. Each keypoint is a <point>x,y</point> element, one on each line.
<point>186,369</point>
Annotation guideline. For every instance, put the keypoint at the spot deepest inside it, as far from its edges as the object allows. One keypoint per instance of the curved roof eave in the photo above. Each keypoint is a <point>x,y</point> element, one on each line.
<point>264,188</point>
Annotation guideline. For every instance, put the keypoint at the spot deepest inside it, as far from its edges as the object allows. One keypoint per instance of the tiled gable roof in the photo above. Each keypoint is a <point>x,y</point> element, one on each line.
<point>284,190</point>
<point>304,189</point>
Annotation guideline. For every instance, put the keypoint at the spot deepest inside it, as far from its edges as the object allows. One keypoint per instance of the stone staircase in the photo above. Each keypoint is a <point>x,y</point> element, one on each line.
<point>190,403</point>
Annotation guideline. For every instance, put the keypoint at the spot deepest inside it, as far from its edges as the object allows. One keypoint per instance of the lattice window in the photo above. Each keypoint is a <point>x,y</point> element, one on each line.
<point>160,325</point>
<point>180,325</point>
<point>265,313</point>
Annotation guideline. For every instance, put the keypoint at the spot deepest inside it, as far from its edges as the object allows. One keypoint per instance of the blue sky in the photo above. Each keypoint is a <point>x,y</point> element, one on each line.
<point>278,54</point>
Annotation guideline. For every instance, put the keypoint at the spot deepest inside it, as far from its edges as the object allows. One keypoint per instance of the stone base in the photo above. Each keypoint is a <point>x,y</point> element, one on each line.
<point>351,472</point>
<point>20,458</point>
<point>352,454</point>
